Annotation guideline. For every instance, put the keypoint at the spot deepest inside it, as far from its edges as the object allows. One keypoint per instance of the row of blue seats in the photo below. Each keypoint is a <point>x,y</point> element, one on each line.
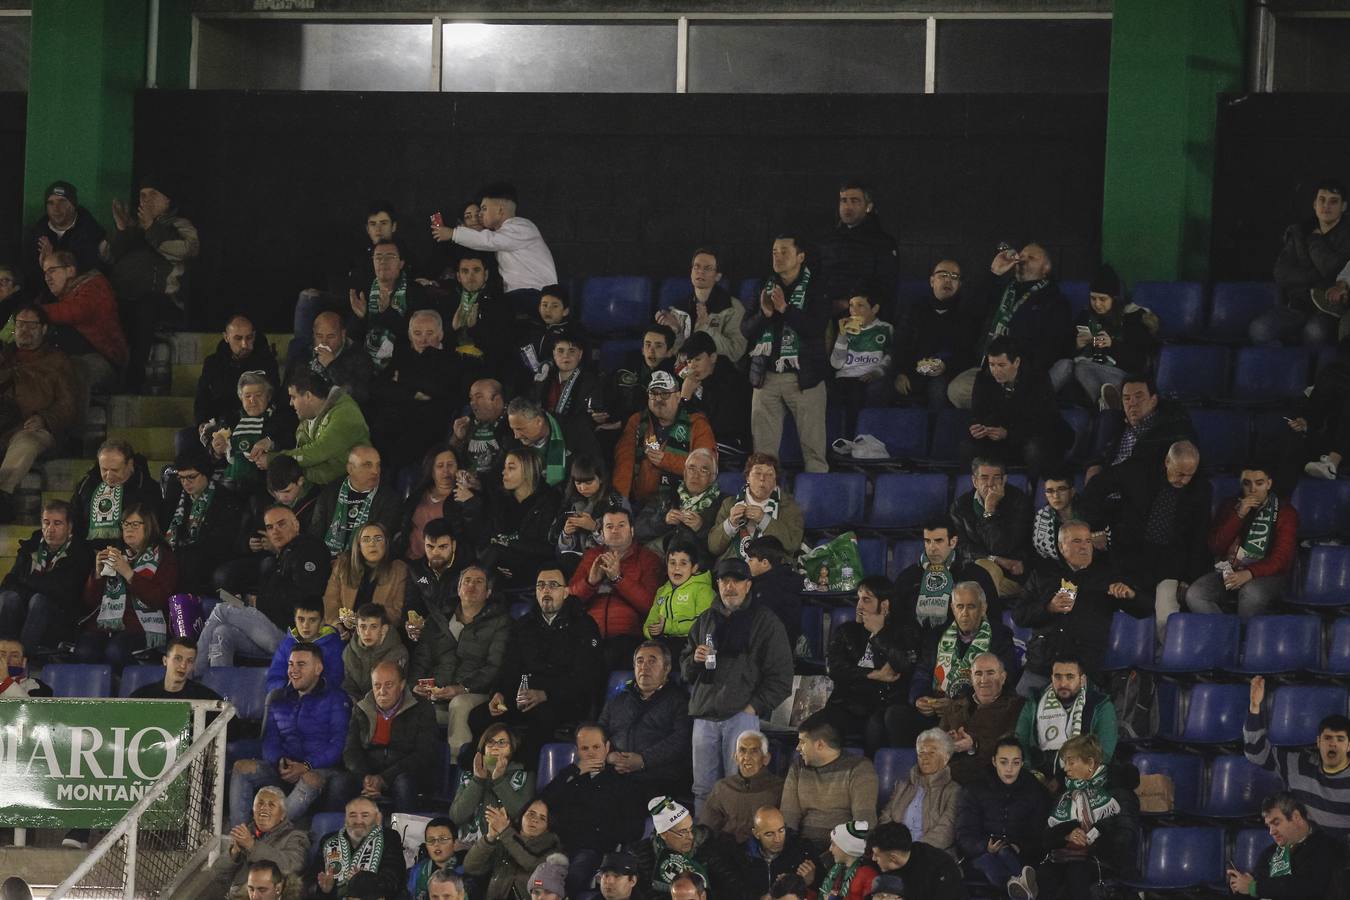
<point>1263,645</point>
<point>1181,858</point>
<point>1247,375</point>
<point>1225,787</point>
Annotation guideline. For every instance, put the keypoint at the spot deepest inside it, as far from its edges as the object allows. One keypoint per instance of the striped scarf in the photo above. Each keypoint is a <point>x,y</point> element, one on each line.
<point>193,509</point>
<point>239,472</point>
<point>380,340</point>
<point>365,857</point>
<point>114,603</point>
<point>349,515</point>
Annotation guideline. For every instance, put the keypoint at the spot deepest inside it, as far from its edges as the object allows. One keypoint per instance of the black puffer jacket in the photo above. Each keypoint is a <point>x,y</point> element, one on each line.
<point>563,659</point>
<point>852,257</point>
<point>1310,259</point>
<point>1015,812</point>
<point>141,487</point>
<point>658,728</point>
<point>218,386</point>
<point>510,534</point>
<point>853,690</point>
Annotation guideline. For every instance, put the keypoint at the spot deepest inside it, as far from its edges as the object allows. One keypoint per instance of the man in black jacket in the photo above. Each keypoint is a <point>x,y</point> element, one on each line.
<point>200,521</point>
<point>858,251</point>
<point>677,844</point>
<point>40,598</point>
<point>870,661</point>
<point>648,726</point>
<point>773,850</point>
<point>344,506</point>
<point>118,479</point>
<point>935,339</point>
<point>1143,429</point>
<point>785,328</point>
<point>923,590</point>
<point>66,226</point>
<point>339,360</point>
<point>485,434</point>
<point>713,386</point>
<point>929,873</point>
<point>1303,861</point>
<point>557,646</point>
<point>1016,418</point>
<point>993,525</point>
<point>363,844</point>
<point>1069,607</point>
<point>242,349</point>
<point>1314,252</point>
<point>1028,307</point>
<point>393,762</point>
<point>433,578</point>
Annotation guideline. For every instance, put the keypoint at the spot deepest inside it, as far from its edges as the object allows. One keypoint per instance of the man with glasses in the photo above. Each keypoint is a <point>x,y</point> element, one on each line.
<point>66,227</point>
<point>935,339</point>
<point>709,308</point>
<point>344,507</point>
<point>553,669</point>
<point>384,307</point>
<point>678,846</point>
<point>649,458</point>
<point>84,310</point>
<point>43,381</point>
<point>201,522</point>
<point>1062,505</point>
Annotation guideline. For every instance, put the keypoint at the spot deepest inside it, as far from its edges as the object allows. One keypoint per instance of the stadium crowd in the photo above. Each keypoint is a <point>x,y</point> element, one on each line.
<point>438,521</point>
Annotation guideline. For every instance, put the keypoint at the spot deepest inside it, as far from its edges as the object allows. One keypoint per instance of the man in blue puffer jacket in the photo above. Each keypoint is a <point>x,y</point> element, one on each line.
<point>303,737</point>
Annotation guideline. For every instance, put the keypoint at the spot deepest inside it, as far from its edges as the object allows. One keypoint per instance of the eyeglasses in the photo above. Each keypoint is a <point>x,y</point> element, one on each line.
<point>1058,490</point>
<point>7,281</point>
<point>682,832</point>
<point>536,816</point>
<point>385,256</point>
<point>944,275</point>
<point>189,476</point>
<point>547,585</point>
<point>498,742</point>
<point>372,539</point>
<point>437,841</point>
<point>26,323</point>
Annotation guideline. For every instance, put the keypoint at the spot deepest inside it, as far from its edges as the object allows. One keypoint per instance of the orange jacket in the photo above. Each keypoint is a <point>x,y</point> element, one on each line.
<point>672,461</point>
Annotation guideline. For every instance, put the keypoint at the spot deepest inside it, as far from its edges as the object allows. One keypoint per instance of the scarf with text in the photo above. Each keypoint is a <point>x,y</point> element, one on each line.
<point>678,436</point>
<point>670,863</point>
<point>1085,801</point>
<point>935,591</point>
<point>1008,305</point>
<point>45,559</point>
<point>483,445</point>
<point>789,348</point>
<point>365,857</point>
<point>380,340</point>
<point>750,530</point>
<point>349,515</point>
<point>1255,543</point>
<point>1281,864</point>
<point>952,671</point>
<point>114,603</point>
<point>1054,723</point>
<point>105,512</point>
<point>193,510</point>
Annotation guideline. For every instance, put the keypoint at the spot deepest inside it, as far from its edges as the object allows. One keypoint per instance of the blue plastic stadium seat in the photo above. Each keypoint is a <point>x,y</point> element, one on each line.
<point>1198,643</point>
<point>619,353</point>
<point>1080,420</point>
<point>950,426</point>
<point>1179,306</point>
<point>903,555</point>
<point>1193,372</point>
<point>813,627</point>
<point>1297,708</point>
<point>1323,508</point>
<point>1235,304</point>
<point>872,551</point>
<point>908,499</point>
<point>1186,770</point>
<point>1014,479</point>
<point>616,304</point>
<point>904,430</point>
<point>1280,644</point>
<point>1326,578</point>
<point>893,765</point>
<point>617,679</point>
<point>520,608</point>
<point>840,615</point>
<point>1248,845</point>
<point>244,686</point>
<point>1214,715</point>
<point>1222,435</point>
<point>1268,374</point>
<point>1181,858</point>
<point>134,677</point>
<point>731,483</point>
<point>322,824</point>
<point>830,499</point>
<point>1224,487</point>
<point>672,291</point>
<point>78,679</point>
<point>1076,292</point>
<point>1130,644</point>
<point>553,758</point>
<point>1236,788</point>
<point>1338,649</point>
<point>749,290</point>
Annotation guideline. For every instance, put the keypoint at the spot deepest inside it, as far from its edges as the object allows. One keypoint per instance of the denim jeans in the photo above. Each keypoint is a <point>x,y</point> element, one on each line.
<point>402,792</point>
<point>999,867</point>
<point>714,751</point>
<point>244,785</point>
<point>1208,595</point>
<point>30,620</point>
<point>234,629</point>
<point>1088,373</point>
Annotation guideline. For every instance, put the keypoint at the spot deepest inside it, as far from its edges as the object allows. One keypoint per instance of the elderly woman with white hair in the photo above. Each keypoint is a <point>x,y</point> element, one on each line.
<point>243,439</point>
<point>926,801</point>
<point>270,836</point>
<point>692,505</point>
<point>415,400</point>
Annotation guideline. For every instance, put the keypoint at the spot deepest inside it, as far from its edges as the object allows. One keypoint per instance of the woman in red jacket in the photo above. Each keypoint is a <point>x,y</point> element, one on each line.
<point>1253,540</point>
<point>128,591</point>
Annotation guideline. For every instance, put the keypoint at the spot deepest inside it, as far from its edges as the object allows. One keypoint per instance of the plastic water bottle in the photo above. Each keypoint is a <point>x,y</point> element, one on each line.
<point>710,662</point>
<point>524,689</point>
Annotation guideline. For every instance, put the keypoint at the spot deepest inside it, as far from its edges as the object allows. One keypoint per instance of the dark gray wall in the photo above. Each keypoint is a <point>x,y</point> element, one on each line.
<point>620,184</point>
<point>13,114</point>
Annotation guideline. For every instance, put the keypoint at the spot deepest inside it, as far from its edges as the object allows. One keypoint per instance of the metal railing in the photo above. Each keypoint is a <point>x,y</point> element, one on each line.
<point>151,852</point>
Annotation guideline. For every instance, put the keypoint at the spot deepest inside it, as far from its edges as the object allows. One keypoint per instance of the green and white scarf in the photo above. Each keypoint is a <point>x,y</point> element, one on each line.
<point>696,502</point>
<point>349,514</point>
<point>839,879</point>
<point>952,671</point>
<point>935,591</point>
<point>1281,862</point>
<point>789,348</point>
<point>44,560</point>
<point>1085,801</point>
<point>114,604</point>
<point>1255,544</point>
<point>363,858</point>
<point>105,512</point>
<point>553,453</point>
<point>468,313</point>
<point>1008,305</point>
<point>678,436</point>
<point>193,509</point>
<point>483,445</point>
<point>380,340</point>
<point>748,530</point>
<point>240,472</point>
<point>1054,723</point>
<point>669,864</point>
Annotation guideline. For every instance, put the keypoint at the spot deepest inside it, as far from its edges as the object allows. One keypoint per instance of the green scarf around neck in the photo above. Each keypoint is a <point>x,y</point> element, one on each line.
<point>789,348</point>
<point>193,509</point>
<point>935,591</point>
<point>678,437</point>
<point>1256,541</point>
<point>380,340</point>
<point>1085,801</point>
<point>952,670</point>
<point>349,516</point>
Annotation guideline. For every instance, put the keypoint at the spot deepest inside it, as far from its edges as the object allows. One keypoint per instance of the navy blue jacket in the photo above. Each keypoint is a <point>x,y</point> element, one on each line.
<point>311,729</point>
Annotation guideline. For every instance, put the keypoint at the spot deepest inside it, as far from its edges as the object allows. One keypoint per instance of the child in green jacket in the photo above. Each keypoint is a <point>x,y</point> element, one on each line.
<point>681,600</point>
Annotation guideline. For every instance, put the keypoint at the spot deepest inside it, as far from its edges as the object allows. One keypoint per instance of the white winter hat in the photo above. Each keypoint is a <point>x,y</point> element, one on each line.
<point>666,813</point>
<point>851,837</point>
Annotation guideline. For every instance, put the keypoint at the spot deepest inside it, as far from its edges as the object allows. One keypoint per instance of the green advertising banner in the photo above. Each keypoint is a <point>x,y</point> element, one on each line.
<point>84,763</point>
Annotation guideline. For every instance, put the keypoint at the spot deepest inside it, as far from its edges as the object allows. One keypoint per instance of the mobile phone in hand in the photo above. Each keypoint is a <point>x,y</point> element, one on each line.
<point>437,220</point>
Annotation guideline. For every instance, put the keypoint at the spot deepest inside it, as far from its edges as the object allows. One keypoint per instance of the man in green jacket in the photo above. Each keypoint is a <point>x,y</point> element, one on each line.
<point>331,424</point>
<point>1067,707</point>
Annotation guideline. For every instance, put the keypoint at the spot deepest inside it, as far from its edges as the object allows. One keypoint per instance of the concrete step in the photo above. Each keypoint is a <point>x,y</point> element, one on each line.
<point>64,474</point>
<point>132,410</point>
<point>42,865</point>
<point>183,379</point>
<point>150,442</point>
<point>6,563</point>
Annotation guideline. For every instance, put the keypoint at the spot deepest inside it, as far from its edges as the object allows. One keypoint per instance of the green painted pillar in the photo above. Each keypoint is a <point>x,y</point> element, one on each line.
<point>87,62</point>
<point>1169,63</point>
<point>174,62</point>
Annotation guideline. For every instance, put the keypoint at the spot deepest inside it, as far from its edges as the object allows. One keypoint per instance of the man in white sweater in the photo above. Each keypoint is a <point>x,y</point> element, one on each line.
<point>522,256</point>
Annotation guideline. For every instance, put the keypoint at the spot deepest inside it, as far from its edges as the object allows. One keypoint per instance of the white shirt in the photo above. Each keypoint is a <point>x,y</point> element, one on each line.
<point>522,256</point>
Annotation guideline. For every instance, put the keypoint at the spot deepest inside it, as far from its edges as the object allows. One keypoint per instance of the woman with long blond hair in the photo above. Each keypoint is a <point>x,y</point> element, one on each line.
<point>367,573</point>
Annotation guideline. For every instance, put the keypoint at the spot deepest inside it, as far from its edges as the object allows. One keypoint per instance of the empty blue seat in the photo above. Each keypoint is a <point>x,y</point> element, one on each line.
<point>813,628</point>
<point>841,615</point>
<point>619,353</point>
<point>1268,374</point>
<point>1077,293</point>
<point>617,679</point>
<point>134,677</point>
<point>553,758</point>
<point>1179,306</point>
<point>244,686</point>
<point>1248,845</point>
<point>749,291</point>
<point>1193,372</point>
<point>1236,788</point>
<point>520,608</point>
<point>1214,715</point>
<point>909,291</point>
<point>1181,858</point>
<point>903,555</point>
<point>830,499</point>
<point>1221,488</point>
<point>893,765</point>
<point>904,430</point>
<point>1222,435</point>
<point>731,483</point>
<point>908,499</point>
<point>1186,770</point>
<point>1130,644</point>
<point>1297,708</point>
<point>616,304</point>
<point>1326,578</point>
<point>1280,644</point>
<point>949,427</point>
<point>1338,649</point>
<point>1196,642</point>
<point>1080,420</point>
<point>1235,304</point>
<point>78,679</point>
<point>672,291</point>
<point>1323,508</point>
<point>872,552</point>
